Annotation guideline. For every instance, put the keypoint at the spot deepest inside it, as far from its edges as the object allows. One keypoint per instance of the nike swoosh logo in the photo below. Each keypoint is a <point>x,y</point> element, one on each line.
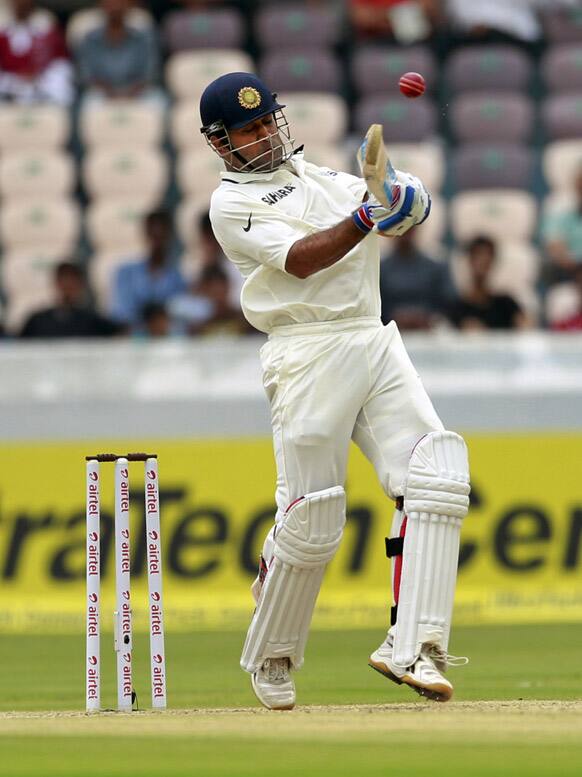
<point>248,226</point>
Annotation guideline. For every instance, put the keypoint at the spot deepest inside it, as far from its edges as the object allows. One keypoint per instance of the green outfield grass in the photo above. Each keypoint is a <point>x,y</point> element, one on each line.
<point>360,724</point>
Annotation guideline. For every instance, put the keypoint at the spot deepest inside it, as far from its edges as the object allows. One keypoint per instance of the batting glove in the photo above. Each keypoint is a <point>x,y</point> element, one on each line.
<point>410,206</point>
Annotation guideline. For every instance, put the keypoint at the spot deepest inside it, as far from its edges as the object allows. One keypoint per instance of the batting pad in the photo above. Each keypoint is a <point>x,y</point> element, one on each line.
<point>305,541</point>
<point>436,500</point>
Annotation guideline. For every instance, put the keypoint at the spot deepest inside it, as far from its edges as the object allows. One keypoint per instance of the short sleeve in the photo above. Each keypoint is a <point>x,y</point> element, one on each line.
<point>357,186</point>
<point>351,183</point>
<point>249,231</point>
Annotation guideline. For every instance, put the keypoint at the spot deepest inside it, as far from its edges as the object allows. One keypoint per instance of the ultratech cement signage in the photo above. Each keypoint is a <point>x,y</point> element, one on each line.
<point>520,559</point>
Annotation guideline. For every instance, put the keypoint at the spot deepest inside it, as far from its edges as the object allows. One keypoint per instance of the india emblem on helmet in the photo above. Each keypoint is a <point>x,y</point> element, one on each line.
<point>249,97</point>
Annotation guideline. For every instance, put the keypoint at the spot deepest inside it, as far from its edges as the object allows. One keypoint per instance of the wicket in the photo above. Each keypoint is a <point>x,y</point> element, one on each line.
<point>122,624</point>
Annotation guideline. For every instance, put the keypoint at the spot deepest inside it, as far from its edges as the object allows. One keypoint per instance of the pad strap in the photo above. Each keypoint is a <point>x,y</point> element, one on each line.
<point>394,546</point>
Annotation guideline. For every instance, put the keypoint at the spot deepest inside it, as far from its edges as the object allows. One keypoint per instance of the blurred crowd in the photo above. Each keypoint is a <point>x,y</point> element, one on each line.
<point>46,59</point>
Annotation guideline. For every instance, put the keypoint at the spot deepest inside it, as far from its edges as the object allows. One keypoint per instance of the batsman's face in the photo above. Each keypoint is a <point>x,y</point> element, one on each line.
<point>258,143</point>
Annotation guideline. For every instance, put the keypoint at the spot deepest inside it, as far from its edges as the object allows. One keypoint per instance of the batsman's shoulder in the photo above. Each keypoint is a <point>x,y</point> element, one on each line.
<point>229,196</point>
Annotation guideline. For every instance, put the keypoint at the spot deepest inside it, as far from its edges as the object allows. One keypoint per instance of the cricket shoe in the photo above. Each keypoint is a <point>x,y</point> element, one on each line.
<point>273,684</point>
<point>424,676</point>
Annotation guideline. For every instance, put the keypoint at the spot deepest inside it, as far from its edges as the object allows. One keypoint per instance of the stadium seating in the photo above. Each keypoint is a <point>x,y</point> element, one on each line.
<point>560,161</point>
<point>122,123</point>
<point>491,112</point>
<point>563,25</point>
<point>116,225</point>
<point>492,166</point>
<point>32,224</point>
<point>515,272</point>
<point>488,68</point>
<point>213,28</point>
<point>187,216</point>
<point>425,160</point>
<point>88,19</point>
<point>198,174</point>
<point>189,72</point>
<point>430,236</point>
<point>26,272</point>
<point>36,174</point>
<point>316,117</point>
<point>333,156</point>
<point>376,69</point>
<point>185,126</point>
<point>404,121</point>
<point>492,117</point>
<point>502,214</point>
<point>561,68</point>
<point>308,70</point>
<point>132,172</point>
<point>33,127</point>
<point>296,25</point>
<point>562,116</point>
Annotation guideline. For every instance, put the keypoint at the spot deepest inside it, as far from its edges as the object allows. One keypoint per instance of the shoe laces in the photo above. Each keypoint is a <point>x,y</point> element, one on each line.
<point>436,653</point>
<point>276,669</point>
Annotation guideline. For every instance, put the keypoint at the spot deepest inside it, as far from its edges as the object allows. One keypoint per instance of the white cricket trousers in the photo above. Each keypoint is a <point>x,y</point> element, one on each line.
<point>329,383</point>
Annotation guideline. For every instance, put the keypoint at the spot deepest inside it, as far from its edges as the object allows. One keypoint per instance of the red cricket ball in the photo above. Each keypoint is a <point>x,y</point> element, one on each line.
<point>412,84</point>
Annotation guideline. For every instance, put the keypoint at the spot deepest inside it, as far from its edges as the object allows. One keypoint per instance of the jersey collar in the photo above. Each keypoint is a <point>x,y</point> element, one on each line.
<point>295,164</point>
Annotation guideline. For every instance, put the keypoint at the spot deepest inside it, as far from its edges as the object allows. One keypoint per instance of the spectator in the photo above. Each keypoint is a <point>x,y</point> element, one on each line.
<point>415,290</point>
<point>478,307</point>
<point>117,61</point>
<point>207,308</point>
<point>156,321</point>
<point>572,323</point>
<point>214,286</point>
<point>493,21</point>
<point>210,254</point>
<point>155,278</point>
<point>405,20</point>
<point>34,63</point>
<point>71,316</point>
<point>562,237</point>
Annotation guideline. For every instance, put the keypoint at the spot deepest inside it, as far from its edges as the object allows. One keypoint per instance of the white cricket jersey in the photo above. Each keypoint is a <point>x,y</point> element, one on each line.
<point>257,217</point>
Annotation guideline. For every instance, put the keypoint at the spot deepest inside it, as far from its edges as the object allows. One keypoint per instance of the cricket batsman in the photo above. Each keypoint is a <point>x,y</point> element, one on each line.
<point>306,240</point>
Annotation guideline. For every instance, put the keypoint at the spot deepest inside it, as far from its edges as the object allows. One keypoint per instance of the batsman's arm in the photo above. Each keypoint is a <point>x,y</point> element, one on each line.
<point>322,249</point>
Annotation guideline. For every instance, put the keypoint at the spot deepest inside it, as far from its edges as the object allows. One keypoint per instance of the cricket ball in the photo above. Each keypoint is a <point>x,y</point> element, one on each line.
<point>412,84</point>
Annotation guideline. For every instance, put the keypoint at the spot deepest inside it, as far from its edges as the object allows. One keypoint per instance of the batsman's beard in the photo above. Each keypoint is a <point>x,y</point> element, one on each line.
<point>260,156</point>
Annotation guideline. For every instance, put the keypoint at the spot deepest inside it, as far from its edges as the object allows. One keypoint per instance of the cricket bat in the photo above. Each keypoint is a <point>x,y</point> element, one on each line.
<point>376,167</point>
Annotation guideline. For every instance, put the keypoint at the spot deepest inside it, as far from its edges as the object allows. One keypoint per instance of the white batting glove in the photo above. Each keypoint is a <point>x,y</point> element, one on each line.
<point>410,206</point>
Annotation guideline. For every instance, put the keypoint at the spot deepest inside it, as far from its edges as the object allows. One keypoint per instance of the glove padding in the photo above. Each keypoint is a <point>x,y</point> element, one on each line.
<point>410,206</point>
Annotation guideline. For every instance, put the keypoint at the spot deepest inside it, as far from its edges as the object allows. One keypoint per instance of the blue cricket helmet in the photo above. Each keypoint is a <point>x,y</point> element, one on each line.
<point>235,99</point>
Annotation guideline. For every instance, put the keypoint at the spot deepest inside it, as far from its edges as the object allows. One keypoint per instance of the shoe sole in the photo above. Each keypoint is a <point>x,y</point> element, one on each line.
<point>275,709</point>
<point>435,693</point>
